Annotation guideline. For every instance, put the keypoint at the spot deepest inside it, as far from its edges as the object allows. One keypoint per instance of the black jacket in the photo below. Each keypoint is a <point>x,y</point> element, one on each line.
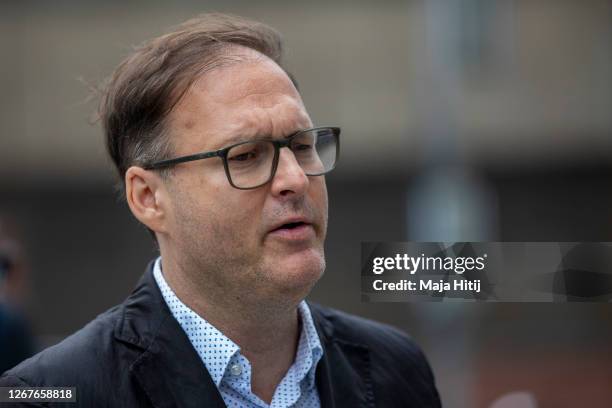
<point>137,355</point>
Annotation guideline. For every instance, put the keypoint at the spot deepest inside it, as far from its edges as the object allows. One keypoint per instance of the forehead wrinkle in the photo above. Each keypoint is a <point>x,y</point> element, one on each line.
<point>259,90</point>
<point>278,120</point>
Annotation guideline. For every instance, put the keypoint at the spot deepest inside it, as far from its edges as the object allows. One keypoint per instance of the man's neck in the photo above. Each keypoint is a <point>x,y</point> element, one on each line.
<point>266,334</point>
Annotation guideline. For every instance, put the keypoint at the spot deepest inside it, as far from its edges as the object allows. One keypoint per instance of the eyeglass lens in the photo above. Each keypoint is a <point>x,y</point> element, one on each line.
<point>250,164</point>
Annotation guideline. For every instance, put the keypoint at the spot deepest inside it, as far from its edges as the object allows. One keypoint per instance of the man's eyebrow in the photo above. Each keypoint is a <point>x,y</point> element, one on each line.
<point>241,138</point>
<point>236,139</point>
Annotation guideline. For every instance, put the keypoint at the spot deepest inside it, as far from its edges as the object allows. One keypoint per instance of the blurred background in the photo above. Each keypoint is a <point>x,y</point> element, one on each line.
<point>471,120</point>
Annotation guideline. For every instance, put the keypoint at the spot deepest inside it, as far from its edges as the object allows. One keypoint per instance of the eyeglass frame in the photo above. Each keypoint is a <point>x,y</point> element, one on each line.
<point>222,153</point>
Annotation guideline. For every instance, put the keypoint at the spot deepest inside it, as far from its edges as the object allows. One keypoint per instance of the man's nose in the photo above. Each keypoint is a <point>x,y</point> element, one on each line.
<point>290,178</point>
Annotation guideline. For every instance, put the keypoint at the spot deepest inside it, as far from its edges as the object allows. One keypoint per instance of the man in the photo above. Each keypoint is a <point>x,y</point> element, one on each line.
<point>221,162</point>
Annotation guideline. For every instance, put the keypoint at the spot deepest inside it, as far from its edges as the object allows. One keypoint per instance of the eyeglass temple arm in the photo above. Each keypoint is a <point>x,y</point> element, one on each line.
<point>193,157</point>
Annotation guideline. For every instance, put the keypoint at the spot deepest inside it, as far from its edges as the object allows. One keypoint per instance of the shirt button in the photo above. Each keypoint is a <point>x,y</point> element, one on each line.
<point>236,370</point>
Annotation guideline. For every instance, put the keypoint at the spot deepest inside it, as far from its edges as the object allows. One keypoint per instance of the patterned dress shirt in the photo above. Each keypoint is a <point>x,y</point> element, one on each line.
<point>231,371</point>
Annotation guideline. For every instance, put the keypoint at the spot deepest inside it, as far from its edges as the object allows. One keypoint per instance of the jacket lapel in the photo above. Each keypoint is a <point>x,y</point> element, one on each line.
<point>171,373</point>
<point>167,367</point>
<point>343,374</point>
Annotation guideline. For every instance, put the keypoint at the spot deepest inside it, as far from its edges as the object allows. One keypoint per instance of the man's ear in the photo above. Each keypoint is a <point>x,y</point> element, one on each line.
<point>145,195</point>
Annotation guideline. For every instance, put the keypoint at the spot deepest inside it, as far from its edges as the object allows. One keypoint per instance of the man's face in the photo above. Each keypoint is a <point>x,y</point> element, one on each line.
<point>227,239</point>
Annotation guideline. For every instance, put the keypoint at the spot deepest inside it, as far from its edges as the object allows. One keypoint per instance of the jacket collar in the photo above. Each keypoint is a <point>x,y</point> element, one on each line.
<point>167,368</point>
<point>343,374</point>
<point>171,373</point>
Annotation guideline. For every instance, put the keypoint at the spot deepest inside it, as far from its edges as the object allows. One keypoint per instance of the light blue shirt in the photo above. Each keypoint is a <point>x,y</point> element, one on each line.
<point>231,371</point>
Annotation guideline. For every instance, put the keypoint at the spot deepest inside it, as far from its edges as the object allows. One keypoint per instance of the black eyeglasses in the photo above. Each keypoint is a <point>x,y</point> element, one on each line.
<point>252,164</point>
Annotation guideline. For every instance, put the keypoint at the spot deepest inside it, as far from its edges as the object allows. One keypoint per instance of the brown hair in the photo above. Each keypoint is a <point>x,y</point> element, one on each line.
<point>146,86</point>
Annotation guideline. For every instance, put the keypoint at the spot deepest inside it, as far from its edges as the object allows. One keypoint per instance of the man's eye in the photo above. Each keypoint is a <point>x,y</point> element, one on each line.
<point>243,156</point>
<point>302,147</point>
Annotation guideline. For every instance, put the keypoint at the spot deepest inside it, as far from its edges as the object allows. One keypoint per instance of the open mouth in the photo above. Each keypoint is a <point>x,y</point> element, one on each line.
<point>298,231</point>
<point>291,225</point>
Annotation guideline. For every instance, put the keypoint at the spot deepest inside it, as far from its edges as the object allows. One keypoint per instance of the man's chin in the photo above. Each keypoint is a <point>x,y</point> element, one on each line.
<point>297,272</point>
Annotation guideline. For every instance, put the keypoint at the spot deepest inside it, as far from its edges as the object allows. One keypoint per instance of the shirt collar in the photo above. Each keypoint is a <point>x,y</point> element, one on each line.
<point>213,347</point>
<point>309,347</point>
<point>216,350</point>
